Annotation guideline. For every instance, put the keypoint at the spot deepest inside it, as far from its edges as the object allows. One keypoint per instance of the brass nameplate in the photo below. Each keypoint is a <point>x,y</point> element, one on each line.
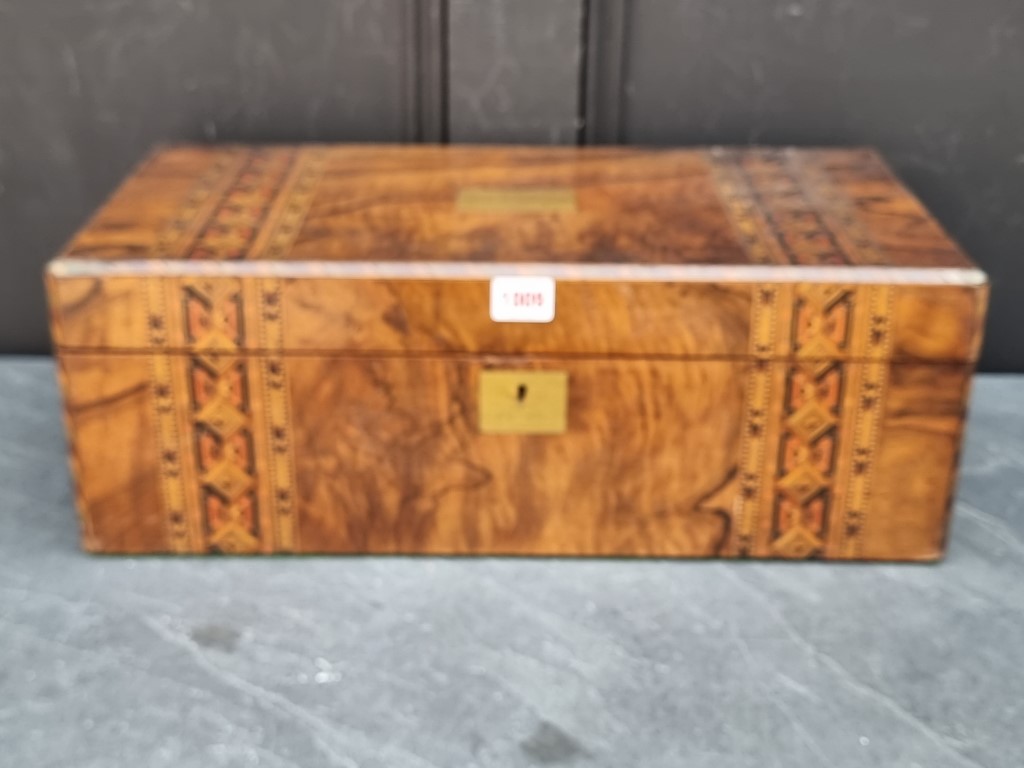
<point>516,199</point>
<point>524,402</point>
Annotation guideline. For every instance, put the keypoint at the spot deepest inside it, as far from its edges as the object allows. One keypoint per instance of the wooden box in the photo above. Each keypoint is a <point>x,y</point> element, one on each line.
<point>544,351</point>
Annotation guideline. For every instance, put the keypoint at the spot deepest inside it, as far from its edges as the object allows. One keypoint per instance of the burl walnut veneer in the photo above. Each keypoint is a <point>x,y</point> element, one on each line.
<point>754,353</point>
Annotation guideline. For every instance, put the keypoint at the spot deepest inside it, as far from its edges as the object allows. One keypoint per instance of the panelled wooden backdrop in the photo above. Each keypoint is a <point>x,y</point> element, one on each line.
<point>86,88</point>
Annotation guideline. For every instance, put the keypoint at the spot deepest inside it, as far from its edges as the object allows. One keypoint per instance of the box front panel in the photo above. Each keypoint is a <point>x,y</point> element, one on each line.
<point>386,454</point>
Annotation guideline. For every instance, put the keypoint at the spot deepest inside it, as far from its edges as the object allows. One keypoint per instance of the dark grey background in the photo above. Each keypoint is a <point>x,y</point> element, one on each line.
<point>87,86</point>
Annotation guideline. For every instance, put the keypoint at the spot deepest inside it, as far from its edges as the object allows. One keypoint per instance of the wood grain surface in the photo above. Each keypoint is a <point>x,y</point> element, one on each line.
<point>387,203</point>
<point>768,354</point>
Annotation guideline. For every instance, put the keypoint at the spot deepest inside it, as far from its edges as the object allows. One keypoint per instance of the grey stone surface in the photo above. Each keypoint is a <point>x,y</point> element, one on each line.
<point>502,662</point>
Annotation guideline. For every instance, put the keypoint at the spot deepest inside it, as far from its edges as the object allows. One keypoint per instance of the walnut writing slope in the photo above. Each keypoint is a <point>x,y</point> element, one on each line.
<point>753,353</point>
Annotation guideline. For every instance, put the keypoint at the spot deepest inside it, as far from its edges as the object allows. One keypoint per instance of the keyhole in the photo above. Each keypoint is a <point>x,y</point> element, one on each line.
<point>521,393</point>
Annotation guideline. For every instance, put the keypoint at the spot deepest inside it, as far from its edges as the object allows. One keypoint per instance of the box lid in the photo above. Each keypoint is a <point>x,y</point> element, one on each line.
<point>394,249</point>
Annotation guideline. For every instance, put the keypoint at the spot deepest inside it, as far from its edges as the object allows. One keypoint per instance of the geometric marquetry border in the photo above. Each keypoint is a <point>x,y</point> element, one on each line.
<point>222,415</point>
<point>220,391</point>
<point>278,459</point>
<point>817,381</point>
<point>868,386</point>
<point>786,209</point>
<point>814,394</point>
<point>812,420</point>
<point>758,415</point>
<point>180,532</point>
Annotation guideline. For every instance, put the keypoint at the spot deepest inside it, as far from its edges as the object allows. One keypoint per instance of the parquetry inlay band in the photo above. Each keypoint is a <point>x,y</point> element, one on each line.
<point>776,201</point>
<point>812,420</point>
<point>755,422</point>
<point>250,203</point>
<point>277,443</point>
<point>168,432</point>
<point>865,408</point>
<point>222,415</point>
<point>813,481</point>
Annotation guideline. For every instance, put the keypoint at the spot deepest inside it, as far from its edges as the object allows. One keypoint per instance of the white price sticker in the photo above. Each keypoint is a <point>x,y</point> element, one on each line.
<point>522,299</point>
